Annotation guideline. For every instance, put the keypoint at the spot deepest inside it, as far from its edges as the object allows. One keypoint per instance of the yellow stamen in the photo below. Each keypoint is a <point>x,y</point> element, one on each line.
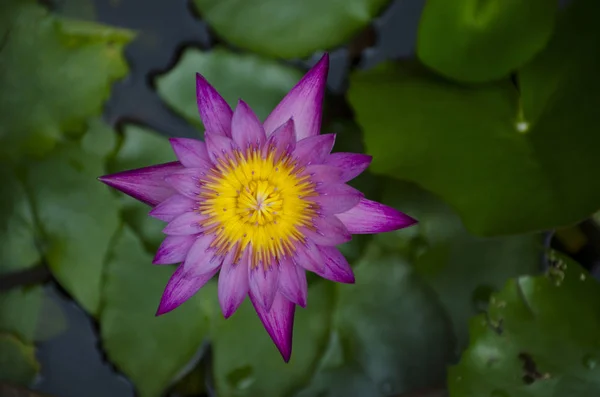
<point>257,201</point>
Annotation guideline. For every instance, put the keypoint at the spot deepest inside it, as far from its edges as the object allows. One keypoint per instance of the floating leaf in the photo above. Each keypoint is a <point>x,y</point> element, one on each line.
<point>540,338</point>
<point>20,309</point>
<point>99,139</point>
<point>288,28</point>
<point>150,350</point>
<point>79,217</point>
<point>17,360</point>
<point>506,169</point>
<point>475,41</point>
<point>260,82</point>
<point>142,147</point>
<point>40,104</point>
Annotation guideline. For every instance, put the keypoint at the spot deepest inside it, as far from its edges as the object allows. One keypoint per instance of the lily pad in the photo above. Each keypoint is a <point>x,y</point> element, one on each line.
<point>39,105</point>
<point>79,217</point>
<point>539,338</point>
<point>288,28</point>
<point>503,161</point>
<point>461,268</point>
<point>475,41</point>
<point>150,350</point>
<point>17,360</point>
<point>20,309</point>
<point>260,82</point>
<point>141,147</point>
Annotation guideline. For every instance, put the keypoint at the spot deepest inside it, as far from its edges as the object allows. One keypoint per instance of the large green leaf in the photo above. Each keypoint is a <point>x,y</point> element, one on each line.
<point>40,104</point>
<point>260,82</point>
<point>79,217</point>
<point>20,309</point>
<point>150,350</point>
<point>540,338</point>
<point>461,268</point>
<point>17,360</point>
<point>505,168</point>
<point>475,41</point>
<point>390,333</point>
<point>141,147</point>
<point>288,28</point>
<point>246,362</point>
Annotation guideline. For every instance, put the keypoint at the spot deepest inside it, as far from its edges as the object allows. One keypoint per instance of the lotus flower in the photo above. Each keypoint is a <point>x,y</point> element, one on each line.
<point>259,203</point>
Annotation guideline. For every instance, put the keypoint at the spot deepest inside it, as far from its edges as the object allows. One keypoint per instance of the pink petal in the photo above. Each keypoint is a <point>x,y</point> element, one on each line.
<point>190,152</point>
<point>215,113</point>
<point>246,128</point>
<point>180,288</point>
<point>292,282</point>
<point>321,174</point>
<point>283,140</point>
<point>304,103</point>
<point>329,231</point>
<point>201,259</point>
<point>308,256</point>
<point>314,149</point>
<point>351,164</point>
<point>370,217</point>
<point>264,283</point>
<point>219,146</point>
<point>186,223</point>
<point>173,249</point>
<point>144,184</point>
<point>337,198</point>
<point>173,207</point>
<point>185,181</point>
<point>233,283</point>
<point>336,266</point>
<point>279,322</point>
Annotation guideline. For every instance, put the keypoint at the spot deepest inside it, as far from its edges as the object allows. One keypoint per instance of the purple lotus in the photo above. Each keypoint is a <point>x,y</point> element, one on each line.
<point>261,202</point>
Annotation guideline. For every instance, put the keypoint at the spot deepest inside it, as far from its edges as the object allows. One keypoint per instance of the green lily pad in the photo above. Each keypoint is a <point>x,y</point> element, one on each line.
<point>99,139</point>
<point>150,350</point>
<point>141,147</point>
<point>288,28</point>
<point>502,161</point>
<point>79,217</point>
<point>39,105</point>
<point>246,362</point>
<point>260,82</point>
<point>20,309</point>
<point>17,360</point>
<point>475,41</point>
<point>540,338</point>
<point>461,268</point>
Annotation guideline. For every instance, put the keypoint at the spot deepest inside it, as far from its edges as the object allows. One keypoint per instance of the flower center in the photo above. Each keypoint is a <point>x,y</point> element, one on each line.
<point>257,201</point>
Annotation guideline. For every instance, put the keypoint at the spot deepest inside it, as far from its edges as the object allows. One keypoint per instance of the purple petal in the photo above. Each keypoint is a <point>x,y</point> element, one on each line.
<point>304,103</point>
<point>283,140</point>
<point>190,152</point>
<point>279,322</point>
<point>186,223</point>
<point>144,184</point>
<point>351,164</point>
<point>214,111</point>
<point>233,283</point>
<point>185,181</point>
<point>337,198</point>
<point>264,283</point>
<point>201,259</point>
<point>246,128</point>
<point>308,256</point>
<point>173,249</point>
<point>321,174</point>
<point>336,266</point>
<point>329,231</point>
<point>292,282</point>
<point>314,149</point>
<point>219,146</point>
<point>370,217</point>
<point>180,288</point>
<point>173,207</point>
